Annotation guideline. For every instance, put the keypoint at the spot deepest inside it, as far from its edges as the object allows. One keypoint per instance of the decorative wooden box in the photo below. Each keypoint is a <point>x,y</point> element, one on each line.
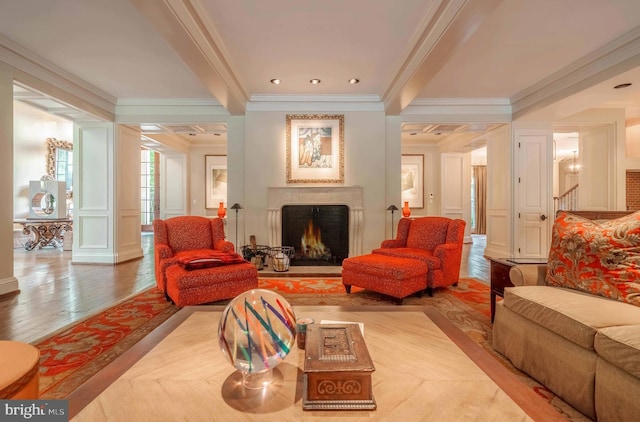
<point>337,369</point>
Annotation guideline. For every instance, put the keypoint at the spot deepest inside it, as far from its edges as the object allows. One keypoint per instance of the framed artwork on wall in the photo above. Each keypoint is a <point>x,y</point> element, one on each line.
<point>215,184</point>
<point>315,148</point>
<point>412,179</point>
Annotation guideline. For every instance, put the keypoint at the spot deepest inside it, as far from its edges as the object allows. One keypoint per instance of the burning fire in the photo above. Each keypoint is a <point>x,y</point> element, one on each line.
<point>312,246</point>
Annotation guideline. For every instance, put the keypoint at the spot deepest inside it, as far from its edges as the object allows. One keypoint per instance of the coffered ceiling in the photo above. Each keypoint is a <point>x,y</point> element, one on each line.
<point>544,58</point>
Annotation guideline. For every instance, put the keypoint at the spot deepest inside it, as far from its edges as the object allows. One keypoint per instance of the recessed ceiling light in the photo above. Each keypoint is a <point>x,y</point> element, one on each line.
<point>275,81</point>
<point>354,81</point>
<point>622,85</point>
<point>314,81</point>
<point>413,134</point>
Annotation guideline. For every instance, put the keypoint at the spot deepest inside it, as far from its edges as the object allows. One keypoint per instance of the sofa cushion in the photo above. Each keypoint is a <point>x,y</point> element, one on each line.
<point>571,314</point>
<point>601,258</point>
<point>620,346</point>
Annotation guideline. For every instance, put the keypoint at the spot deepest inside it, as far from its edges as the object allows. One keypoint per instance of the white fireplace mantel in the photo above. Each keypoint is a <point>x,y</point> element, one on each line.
<point>351,196</point>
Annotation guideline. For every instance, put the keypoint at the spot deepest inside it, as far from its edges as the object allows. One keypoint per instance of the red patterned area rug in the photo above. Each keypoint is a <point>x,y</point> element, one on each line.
<point>72,356</point>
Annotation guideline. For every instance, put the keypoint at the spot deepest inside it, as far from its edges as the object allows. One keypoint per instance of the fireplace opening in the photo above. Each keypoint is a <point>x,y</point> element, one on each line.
<point>319,234</point>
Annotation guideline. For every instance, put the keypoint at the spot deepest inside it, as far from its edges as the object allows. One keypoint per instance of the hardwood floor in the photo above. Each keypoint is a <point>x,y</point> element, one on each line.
<point>55,293</point>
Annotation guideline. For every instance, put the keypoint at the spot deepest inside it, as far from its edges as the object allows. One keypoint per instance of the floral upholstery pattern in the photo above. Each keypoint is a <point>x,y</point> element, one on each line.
<point>436,241</point>
<point>195,264</point>
<point>601,258</point>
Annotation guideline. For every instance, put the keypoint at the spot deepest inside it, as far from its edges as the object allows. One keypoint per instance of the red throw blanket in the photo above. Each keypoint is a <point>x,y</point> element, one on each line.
<point>209,259</point>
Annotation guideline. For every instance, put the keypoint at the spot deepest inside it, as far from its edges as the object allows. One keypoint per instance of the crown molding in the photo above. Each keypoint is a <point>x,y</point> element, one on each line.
<point>174,102</point>
<point>170,110</point>
<point>50,79</point>
<point>478,109</point>
<point>618,56</point>
<point>314,102</point>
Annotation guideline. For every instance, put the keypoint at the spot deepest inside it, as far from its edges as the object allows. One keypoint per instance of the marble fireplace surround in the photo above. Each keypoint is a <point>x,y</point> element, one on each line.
<point>351,196</point>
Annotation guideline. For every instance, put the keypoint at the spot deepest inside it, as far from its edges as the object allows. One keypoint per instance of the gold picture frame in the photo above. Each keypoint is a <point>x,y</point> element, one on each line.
<point>315,148</point>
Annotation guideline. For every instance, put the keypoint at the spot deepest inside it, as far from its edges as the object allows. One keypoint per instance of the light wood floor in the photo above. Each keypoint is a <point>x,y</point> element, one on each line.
<point>55,293</point>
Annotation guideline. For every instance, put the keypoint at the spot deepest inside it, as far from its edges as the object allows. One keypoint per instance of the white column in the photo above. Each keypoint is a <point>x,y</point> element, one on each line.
<point>236,159</point>
<point>94,192</point>
<point>8,282</point>
<point>128,244</point>
<point>499,192</point>
<point>173,185</point>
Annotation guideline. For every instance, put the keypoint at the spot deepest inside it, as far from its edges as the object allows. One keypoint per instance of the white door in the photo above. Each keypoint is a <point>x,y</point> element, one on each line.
<point>534,194</point>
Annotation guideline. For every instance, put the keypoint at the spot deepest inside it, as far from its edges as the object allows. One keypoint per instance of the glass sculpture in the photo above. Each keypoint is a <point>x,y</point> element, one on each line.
<point>256,332</point>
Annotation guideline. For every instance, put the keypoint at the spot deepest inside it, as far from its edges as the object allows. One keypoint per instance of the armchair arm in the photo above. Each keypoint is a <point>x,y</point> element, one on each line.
<point>223,245</point>
<point>450,256</point>
<point>163,258</point>
<point>528,275</point>
<point>162,251</point>
<point>391,243</point>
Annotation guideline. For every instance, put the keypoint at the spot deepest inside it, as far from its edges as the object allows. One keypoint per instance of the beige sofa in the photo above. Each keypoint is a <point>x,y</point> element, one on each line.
<point>583,347</point>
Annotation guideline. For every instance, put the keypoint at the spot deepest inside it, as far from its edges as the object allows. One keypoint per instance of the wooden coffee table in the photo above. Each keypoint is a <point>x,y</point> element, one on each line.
<point>425,369</point>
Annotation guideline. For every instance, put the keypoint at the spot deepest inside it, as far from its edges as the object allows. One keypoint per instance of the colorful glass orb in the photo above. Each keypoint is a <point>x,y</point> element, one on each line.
<point>257,330</point>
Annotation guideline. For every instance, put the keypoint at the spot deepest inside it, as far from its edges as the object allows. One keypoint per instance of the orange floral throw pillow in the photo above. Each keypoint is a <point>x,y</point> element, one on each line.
<point>602,258</point>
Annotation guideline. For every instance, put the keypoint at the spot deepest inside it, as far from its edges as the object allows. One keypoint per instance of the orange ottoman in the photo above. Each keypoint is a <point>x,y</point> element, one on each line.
<point>194,287</point>
<point>19,364</point>
<point>389,275</point>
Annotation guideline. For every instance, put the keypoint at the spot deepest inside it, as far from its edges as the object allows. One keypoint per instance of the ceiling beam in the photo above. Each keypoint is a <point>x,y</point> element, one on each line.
<point>182,24</point>
<point>614,58</point>
<point>452,24</point>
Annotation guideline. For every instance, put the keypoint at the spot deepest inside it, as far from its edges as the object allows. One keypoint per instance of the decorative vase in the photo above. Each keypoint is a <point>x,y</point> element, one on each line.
<point>406,211</point>
<point>222,211</point>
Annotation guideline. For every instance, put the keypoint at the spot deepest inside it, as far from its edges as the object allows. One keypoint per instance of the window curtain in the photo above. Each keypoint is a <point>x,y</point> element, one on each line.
<point>480,176</point>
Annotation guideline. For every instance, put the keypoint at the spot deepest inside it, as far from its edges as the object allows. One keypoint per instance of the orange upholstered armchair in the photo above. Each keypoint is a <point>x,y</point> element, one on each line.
<point>437,241</point>
<point>195,264</point>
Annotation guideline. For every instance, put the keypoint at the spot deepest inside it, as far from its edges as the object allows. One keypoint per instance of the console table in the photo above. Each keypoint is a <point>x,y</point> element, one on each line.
<point>46,232</point>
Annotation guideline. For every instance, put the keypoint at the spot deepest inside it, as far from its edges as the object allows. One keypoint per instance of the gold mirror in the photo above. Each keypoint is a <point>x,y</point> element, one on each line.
<point>60,161</point>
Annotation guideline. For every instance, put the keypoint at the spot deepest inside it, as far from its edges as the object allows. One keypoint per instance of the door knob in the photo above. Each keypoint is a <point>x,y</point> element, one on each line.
<point>543,217</point>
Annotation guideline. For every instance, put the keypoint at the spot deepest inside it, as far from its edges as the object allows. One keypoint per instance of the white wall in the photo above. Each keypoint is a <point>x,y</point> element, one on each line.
<point>32,127</point>
<point>364,165</point>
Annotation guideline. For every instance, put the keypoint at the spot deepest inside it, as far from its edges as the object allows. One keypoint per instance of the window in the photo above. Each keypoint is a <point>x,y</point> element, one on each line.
<point>149,205</point>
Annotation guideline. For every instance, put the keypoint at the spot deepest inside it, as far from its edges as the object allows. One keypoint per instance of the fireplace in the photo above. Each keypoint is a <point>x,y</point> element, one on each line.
<point>350,197</point>
<point>319,234</point>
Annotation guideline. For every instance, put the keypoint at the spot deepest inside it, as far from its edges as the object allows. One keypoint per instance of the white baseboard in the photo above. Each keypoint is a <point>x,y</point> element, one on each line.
<point>8,285</point>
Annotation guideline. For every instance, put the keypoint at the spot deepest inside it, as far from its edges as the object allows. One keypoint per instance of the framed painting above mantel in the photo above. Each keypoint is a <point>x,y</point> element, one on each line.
<point>315,148</point>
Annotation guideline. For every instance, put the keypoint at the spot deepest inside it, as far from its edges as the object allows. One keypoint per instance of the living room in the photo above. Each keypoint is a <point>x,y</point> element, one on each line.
<point>423,82</point>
